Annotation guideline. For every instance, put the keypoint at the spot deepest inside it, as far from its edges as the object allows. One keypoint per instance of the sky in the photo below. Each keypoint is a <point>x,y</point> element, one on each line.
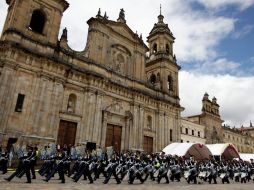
<point>214,46</point>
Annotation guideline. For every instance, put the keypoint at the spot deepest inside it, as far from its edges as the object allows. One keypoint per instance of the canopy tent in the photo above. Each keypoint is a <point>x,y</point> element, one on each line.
<point>198,151</point>
<point>224,151</point>
<point>246,157</point>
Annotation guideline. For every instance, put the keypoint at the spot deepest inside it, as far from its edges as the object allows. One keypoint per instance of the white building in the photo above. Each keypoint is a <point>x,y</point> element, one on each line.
<point>192,132</point>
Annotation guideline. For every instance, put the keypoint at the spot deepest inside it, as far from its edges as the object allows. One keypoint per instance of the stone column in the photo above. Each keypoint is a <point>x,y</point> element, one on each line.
<point>90,115</point>
<point>6,84</point>
<point>84,122</point>
<point>104,128</point>
<point>127,133</point>
<point>57,99</point>
<point>134,133</point>
<point>38,103</point>
<point>141,127</point>
<point>157,131</point>
<point>97,124</point>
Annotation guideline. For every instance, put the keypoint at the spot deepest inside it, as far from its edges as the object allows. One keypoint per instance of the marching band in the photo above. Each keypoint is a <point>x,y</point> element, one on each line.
<point>128,166</point>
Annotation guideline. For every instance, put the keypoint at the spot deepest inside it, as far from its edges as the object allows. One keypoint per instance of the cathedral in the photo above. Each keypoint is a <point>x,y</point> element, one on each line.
<point>118,92</point>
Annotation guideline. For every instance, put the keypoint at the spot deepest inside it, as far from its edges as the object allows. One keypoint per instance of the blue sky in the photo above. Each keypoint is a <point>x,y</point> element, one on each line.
<point>214,46</point>
<point>239,45</point>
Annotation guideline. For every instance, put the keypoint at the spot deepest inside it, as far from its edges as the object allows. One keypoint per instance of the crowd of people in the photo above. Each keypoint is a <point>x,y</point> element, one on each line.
<point>75,162</point>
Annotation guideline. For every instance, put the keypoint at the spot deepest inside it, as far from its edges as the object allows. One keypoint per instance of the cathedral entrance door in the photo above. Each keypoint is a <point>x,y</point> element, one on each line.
<point>113,138</point>
<point>148,144</point>
<point>66,133</point>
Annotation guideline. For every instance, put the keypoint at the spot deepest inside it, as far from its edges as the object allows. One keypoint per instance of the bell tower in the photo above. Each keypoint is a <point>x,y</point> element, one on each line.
<point>32,19</point>
<point>161,67</point>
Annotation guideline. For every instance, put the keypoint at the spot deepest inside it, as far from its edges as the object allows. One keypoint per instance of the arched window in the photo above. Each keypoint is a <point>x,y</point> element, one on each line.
<point>153,79</point>
<point>158,77</point>
<point>155,48</point>
<point>72,103</point>
<point>38,21</point>
<point>149,122</point>
<point>170,83</point>
<point>167,49</point>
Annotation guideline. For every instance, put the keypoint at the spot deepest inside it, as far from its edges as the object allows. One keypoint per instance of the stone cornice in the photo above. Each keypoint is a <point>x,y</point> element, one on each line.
<point>161,59</point>
<point>5,45</point>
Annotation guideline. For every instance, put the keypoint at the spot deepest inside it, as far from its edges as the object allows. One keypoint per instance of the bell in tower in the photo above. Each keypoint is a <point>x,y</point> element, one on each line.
<point>160,38</point>
<point>161,60</point>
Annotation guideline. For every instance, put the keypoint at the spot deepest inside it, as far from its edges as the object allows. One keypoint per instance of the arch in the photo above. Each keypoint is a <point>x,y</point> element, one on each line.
<point>167,49</point>
<point>170,83</point>
<point>149,122</point>
<point>153,79</point>
<point>121,48</point>
<point>155,48</point>
<point>71,106</point>
<point>38,21</point>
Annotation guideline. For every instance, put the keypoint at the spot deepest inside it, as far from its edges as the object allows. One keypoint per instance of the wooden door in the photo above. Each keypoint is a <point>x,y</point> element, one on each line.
<point>148,144</point>
<point>66,133</point>
<point>113,137</point>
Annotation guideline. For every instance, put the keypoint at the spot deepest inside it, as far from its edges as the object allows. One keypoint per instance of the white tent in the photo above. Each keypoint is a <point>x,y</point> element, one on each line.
<point>225,151</point>
<point>198,151</point>
<point>246,157</point>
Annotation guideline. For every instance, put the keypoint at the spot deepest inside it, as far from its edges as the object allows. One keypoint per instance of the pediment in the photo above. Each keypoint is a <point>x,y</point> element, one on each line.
<point>122,29</point>
<point>115,107</point>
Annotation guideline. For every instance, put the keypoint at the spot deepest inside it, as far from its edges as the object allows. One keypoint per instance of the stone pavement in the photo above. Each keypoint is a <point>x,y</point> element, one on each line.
<point>39,184</point>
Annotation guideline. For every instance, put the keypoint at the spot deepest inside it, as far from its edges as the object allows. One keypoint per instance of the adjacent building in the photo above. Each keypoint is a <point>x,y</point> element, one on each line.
<point>242,138</point>
<point>209,123</point>
<point>192,132</point>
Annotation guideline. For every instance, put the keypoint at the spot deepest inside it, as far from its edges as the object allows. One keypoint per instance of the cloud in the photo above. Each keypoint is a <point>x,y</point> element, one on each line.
<point>197,32</point>
<point>218,4</point>
<point>218,66</point>
<point>243,32</point>
<point>234,95</point>
<point>3,13</point>
<point>197,36</point>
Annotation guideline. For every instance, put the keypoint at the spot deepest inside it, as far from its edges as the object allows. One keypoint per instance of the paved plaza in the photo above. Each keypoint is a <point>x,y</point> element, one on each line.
<point>19,184</point>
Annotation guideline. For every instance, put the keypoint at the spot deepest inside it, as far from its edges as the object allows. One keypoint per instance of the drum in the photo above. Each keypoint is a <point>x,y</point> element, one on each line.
<point>156,173</point>
<point>222,175</point>
<point>186,174</point>
<point>91,166</point>
<point>169,173</point>
<point>243,175</point>
<point>202,174</point>
<point>126,177</point>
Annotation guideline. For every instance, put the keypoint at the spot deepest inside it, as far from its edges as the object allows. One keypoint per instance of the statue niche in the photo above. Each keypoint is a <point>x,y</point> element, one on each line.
<point>120,57</point>
<point>119,63</point>
<point>71,103</point>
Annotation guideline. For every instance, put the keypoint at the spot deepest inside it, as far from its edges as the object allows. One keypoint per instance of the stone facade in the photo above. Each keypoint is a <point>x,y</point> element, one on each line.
<point>242,138</point>
<point>210,118</point>
<point>51,93</point>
